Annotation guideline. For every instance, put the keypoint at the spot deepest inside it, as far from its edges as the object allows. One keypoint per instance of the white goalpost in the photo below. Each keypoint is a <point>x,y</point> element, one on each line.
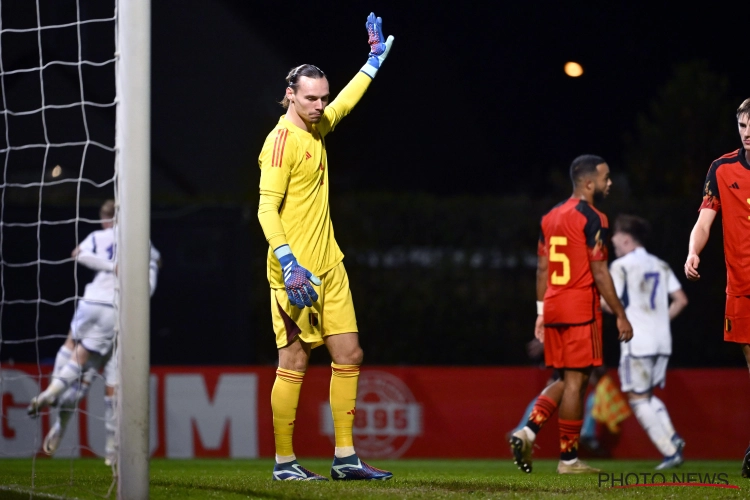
<point>74,131</point>
<point>134,190</point>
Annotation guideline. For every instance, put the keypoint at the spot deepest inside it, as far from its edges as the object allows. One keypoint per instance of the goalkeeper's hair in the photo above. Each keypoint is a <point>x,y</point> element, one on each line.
<point>744,108</point>
<point>637,227</point>
<point>584,166</point>
<point>292,78</point>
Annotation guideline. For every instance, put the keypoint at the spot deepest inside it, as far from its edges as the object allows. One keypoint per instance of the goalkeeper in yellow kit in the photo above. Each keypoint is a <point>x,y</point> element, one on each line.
<point>311,303</point>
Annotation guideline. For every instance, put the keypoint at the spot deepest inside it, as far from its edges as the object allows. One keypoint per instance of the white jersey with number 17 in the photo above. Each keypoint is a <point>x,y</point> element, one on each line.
<point>643,282</point>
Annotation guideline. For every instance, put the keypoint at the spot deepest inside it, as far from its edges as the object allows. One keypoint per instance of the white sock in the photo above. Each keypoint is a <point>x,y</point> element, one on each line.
<point>63,417</point>
<point>110,423</point>
<point>663,414</point>
<point>62,357</point>
<point>651,423</point>
<point>68,374</point>
<point>529,433</point>
<point>344,451</point>
<point>282,459</point>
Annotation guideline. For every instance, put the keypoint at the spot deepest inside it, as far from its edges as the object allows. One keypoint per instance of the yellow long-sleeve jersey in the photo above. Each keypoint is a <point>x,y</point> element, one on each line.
<point>293,206</point>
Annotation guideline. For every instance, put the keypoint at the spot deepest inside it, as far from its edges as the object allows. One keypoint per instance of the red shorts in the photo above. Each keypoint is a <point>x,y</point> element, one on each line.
<point>573,346</point>
<point>737,319</point>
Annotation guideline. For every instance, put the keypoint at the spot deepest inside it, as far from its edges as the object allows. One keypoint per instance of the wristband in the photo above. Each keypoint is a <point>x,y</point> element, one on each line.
<point>540,307</point>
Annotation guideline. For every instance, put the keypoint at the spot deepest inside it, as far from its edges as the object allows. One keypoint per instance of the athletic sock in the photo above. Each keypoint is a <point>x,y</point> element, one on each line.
<point>588,429</point>
<point>110,423</point>
<point>544,408</point>
<point>661,412</point>
<point>284,400</point>
<point>652,424</point>
<point>70,372</point>
<point>343,396</point>
<point>61,358</point>
<point>570,433</point>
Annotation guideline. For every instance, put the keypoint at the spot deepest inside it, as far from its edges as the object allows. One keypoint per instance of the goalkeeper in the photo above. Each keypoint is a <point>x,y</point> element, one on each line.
<point>311,303</point>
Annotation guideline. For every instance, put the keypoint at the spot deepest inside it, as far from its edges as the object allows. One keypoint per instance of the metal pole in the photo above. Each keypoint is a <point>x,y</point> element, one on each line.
<point>133,228</point>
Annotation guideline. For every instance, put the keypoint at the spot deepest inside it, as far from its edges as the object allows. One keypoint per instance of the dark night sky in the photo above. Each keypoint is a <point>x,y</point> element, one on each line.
<point>472,98</point>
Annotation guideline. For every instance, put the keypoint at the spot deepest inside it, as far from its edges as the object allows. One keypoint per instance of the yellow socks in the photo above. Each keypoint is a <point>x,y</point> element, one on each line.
<point>284,399</point>
<point>343,401</point>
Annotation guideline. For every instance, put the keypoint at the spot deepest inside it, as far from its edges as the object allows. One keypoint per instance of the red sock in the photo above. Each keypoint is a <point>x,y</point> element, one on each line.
<point>570,432</point>
<point>544,408</point>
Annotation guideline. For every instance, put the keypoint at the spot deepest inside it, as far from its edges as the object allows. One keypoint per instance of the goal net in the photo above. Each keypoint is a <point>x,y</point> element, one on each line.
<point>62,143</point>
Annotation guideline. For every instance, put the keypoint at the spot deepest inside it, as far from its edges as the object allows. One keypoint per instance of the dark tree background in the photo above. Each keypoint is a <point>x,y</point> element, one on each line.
<point>438,177</point>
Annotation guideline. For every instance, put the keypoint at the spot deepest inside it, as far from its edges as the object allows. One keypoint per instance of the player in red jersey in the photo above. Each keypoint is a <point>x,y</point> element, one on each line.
<point>572,274</point>
<point>727,190</point>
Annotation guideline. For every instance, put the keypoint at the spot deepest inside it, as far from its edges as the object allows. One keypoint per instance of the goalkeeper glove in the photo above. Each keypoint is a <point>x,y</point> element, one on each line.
<point>296,279</point>
<point>378,49</point>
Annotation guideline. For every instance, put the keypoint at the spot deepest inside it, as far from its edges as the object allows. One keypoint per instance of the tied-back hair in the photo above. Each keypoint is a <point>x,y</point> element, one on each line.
<point>308,70</point>
<point>584,165</point>
<point>637,227</point>
<point>744,108</point>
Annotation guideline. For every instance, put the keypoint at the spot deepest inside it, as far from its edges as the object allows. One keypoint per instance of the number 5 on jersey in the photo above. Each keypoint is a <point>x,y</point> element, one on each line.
<point>556,255</point>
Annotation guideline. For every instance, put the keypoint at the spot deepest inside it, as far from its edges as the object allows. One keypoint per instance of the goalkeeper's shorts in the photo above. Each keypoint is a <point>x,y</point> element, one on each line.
<point>331,314</point>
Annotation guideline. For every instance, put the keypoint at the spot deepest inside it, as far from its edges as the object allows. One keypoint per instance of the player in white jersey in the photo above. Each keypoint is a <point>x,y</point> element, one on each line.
<point>652,296</point>
<point>90,339</point>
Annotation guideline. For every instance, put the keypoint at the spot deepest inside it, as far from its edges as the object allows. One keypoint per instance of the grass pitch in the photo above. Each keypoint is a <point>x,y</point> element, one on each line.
<point>438,479</point>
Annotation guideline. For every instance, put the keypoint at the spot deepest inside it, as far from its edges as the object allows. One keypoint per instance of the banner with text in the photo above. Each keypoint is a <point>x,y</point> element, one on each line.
<point>462,412</point>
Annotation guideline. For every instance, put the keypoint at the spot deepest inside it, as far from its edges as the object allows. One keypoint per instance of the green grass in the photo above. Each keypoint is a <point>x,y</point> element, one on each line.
<point>438,479</point>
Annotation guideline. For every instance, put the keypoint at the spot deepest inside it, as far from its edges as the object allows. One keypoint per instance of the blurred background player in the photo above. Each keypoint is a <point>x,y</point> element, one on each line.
<point>727,190</point>
<point>88,346</point>
<point>589,439</point>
<point>652,297</point>
<point>294,214</point>
<point>572,274</point>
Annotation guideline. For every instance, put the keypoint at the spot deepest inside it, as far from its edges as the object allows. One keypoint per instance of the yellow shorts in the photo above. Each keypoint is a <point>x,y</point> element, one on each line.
<point>333,313</point>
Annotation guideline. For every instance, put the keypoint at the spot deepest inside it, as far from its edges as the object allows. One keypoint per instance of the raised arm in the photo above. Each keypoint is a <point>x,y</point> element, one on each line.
<point>606,288</point>
<point>355,89</point>
<point>85,255</point>
<point>698,239</point>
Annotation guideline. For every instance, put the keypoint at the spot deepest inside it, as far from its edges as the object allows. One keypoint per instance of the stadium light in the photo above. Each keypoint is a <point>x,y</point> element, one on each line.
<point>573,69</point>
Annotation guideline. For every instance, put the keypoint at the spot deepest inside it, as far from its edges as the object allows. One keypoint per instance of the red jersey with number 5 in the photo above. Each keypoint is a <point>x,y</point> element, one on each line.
<point>727,190</point>
<point>573,234</point>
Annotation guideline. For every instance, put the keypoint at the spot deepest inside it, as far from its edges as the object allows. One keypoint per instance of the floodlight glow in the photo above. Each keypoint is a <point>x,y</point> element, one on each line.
<point>573,69</point>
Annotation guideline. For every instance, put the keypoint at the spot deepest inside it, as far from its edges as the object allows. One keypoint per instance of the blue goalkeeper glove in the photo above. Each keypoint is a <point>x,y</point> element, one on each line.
<point>296,279</point>
<point>378,49</point>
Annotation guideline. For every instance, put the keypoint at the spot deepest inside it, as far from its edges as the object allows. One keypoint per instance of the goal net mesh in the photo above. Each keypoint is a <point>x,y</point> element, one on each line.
<point>58,157</point>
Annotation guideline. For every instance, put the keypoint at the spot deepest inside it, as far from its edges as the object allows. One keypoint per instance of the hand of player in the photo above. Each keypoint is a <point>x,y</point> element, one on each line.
<point>378,48</point>
<point>691,267</point>
<point>297,279</point>
<point>625,329</point>
<point>539,328</point>
<point>534,348</point>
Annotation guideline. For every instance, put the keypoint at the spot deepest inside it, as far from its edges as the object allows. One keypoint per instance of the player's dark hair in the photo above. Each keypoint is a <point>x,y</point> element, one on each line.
<point>292,78</point>
<point>583,166</point>
<point>744,108</point>
<point>637,227</point>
